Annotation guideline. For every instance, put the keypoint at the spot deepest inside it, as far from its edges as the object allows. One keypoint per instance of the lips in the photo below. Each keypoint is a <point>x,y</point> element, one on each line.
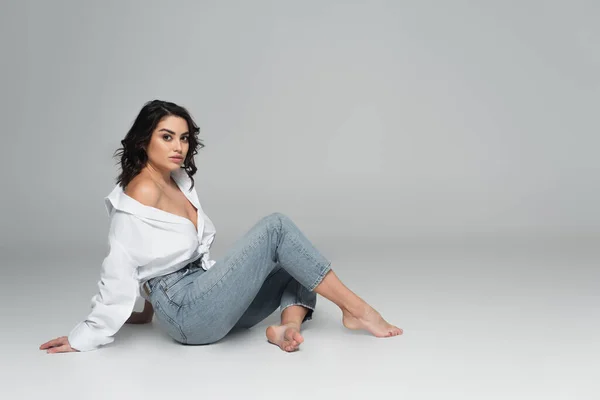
<point>176,158</point>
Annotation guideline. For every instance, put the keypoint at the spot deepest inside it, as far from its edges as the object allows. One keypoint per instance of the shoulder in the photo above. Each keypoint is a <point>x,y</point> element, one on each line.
<point>143,190</point>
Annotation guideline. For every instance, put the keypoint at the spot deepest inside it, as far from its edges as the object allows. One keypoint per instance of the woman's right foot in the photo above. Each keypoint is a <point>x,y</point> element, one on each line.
<point>370,320</point>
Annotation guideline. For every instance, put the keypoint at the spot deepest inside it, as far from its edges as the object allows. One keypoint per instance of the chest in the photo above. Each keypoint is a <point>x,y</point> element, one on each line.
<point>175,202</point>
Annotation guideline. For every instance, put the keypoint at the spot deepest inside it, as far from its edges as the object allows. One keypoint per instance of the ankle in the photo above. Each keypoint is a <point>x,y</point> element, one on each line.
<point>292,324</point>
<point>359,310</point>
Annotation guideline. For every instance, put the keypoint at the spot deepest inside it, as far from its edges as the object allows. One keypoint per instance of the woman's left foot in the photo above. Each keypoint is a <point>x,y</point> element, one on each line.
<point>287,337</point>
<point>370,320</point>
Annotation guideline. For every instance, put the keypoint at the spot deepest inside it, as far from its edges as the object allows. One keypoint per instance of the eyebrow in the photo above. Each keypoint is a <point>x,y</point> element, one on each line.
<point>172,133</point>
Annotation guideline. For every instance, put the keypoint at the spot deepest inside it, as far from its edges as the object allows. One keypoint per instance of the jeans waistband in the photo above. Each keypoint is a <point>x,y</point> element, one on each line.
<point>152,282</point>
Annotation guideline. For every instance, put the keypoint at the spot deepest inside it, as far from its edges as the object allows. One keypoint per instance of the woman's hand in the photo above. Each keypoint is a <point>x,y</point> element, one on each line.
<point>58,345</point>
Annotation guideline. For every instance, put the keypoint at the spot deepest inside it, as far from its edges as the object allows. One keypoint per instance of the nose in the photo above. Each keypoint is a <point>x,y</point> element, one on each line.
<point>177,145</point>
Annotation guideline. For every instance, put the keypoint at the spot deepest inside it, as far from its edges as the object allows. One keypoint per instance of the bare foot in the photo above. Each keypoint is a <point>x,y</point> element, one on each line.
<point>287,337</point>
<point>372,321</point>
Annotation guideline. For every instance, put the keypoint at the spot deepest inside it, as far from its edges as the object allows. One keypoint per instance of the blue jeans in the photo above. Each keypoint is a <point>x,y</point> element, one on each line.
<point>272,266</point>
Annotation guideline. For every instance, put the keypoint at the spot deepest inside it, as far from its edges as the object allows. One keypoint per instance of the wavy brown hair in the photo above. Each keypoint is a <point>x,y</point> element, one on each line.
<point>132,155</point>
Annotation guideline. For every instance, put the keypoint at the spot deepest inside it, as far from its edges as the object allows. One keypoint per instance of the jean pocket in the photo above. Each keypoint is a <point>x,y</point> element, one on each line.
<point>174,289</point>
<point>167,281</point>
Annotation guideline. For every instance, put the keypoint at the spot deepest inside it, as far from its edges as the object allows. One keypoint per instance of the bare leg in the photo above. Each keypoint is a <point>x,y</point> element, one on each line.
<point>357,314</point>
<point>287,335</point>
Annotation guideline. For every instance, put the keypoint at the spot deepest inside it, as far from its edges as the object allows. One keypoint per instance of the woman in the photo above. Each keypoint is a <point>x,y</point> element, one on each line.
<point>159,248</point>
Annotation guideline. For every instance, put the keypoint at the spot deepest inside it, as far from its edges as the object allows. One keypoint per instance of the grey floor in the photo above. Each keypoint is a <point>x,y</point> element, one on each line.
<point>483,319</point>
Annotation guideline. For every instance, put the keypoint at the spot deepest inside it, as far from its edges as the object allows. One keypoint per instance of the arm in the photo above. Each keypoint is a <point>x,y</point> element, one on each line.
<point>143,317</point>
<point>113,303</point>
<point>117,289</point>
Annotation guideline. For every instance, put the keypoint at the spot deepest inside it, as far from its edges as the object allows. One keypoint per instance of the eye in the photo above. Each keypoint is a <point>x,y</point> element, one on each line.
<point>166,137</point>
<point>185,138</point>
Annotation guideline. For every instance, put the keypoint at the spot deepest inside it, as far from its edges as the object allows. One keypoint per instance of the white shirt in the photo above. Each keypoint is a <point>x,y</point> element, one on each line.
<point>144,242</point>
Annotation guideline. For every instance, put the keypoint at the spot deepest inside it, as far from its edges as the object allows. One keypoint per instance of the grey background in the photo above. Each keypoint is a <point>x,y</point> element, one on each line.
<point>429,148</point>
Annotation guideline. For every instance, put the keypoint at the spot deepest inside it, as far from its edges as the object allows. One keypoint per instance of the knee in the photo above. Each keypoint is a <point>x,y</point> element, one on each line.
<point>276,222</point>
<point>277,217</point>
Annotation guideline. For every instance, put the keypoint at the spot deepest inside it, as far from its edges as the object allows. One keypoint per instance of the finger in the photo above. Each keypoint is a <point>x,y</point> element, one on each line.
<point>47,344</point>
<point>62,349</point>
<point>53,342</point>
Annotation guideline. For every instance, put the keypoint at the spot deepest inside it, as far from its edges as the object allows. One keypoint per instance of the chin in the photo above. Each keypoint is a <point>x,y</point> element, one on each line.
<point>174,165</point>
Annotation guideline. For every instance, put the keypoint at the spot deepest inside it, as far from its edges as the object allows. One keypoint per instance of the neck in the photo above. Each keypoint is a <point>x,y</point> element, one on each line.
<point>163,177</point>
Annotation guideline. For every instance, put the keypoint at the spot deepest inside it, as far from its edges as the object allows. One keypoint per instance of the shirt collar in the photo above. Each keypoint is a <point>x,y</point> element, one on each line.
<point>118,200</point>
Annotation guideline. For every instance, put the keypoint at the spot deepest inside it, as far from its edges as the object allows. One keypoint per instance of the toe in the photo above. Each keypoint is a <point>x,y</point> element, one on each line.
<point>297,337</point>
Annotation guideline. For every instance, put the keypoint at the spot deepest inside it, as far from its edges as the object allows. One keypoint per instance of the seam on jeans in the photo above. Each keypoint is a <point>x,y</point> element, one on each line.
<point>301,249</point>
<point>170,299</point>
<point>171,284</point>
<point>326,268</point>
<point>309,256</point>
<point>166,296</point>
<point>232,267</point>
<point>171,320</point>
<point>173,303</point>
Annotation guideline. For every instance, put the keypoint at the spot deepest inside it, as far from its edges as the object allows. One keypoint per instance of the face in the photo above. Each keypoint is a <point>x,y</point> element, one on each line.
<point>169,144</point>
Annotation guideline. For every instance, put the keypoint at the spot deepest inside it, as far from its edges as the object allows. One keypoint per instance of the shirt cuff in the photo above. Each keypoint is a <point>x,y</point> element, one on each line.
<point>81,338</point>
